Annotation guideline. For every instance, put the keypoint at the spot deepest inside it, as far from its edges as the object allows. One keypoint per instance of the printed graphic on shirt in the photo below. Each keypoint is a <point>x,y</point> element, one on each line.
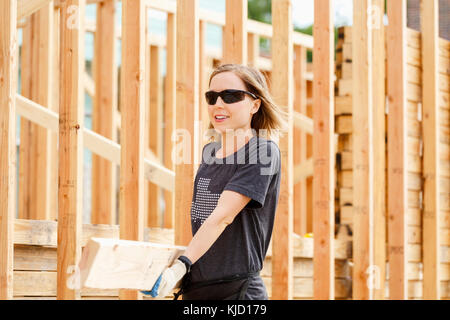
<point>205,201</point>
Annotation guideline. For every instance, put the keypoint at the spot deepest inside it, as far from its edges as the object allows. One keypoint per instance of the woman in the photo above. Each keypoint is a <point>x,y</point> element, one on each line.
<point>235,192</point>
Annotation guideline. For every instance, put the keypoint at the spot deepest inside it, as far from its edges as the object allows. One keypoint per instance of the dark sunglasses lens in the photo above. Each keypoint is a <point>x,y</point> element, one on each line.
<point>232,96</point>
<point>211,97</point>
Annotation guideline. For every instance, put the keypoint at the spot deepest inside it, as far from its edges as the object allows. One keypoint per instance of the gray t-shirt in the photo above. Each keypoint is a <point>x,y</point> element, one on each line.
<point>254,171</point>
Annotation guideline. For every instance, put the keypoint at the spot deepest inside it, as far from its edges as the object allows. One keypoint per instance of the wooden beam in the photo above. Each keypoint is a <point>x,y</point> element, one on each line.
<point>98,144</point>
<point>235,50</point>
<point>8,70</point>
<point>186,112</point>
<point>397,135</point>
<point>379,147</point>
<point>124,264</point>
<point>103,114</point>
<point>27,7</point>
<point>323,150</point>
<point>252,49</point>
<point>283,90</point>
<point>303,170</point>
<point>155,140</point>
<point>300,103</point>
<point>303,122</point>
<point>431,150</point>
<point>169,114</point>
<point>362,153</point>
<point>70,144</point>
<point>132,130</point>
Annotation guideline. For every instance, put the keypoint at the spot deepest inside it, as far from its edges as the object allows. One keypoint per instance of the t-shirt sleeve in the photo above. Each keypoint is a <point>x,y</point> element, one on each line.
<point>253,177</point>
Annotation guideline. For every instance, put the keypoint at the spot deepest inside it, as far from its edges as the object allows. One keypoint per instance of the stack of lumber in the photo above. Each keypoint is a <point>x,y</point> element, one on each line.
<point>35,261</point>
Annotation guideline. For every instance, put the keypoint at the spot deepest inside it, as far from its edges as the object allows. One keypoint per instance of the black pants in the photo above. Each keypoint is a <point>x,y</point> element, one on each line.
<point>230,288</point>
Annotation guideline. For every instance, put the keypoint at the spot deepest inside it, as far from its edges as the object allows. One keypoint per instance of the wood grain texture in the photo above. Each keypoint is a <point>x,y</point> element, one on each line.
<point>323,150</point>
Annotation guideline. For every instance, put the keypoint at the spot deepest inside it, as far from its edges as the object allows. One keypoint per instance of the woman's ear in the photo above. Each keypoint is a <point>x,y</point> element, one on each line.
<point>256,105</point>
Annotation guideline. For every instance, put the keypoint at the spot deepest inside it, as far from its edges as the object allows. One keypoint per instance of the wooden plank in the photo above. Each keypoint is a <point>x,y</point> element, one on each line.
<point>235,32</point>
<point>431,168</point>
<point>397,173</point>
<point>303,122</point>
<point>252,49</point>
<point>96,143</point>
<point>103,113</point>
<point>379,149</point>
<point>119,264</point>
<point>169,114</point>
<point>155,142</point>
<point>186,112</point>
<point>300,104</point>
<point>28,7</point>
<point>70,144</point>
<point>8,71</point>
<point>131,211</point>
<point>283,90</point>
<point>363,153</point>
<point>323,146</point>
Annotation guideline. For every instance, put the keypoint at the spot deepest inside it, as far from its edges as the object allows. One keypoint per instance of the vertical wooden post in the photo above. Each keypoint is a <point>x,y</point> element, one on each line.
<point>169,113</point>
<point>203,86</point>
<point>8,69</point>
<point>132,125</point>
<point>323,149</point>
<point>379,147</point>
<point>362,152</point>
<point>235,32</point>
<point>252,49</point>
<point>104,111</point>
<point>431,163</point>
<point>155,132</point>
<point>70,144</point>
<point>283,90</point>
<point>397,165</point>
<point>132,112</point>
<point>300,194</point>
<point>186,113</point>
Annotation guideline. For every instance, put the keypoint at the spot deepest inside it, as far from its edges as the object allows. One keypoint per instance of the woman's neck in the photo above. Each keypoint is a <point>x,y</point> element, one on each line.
<point>233,142</point>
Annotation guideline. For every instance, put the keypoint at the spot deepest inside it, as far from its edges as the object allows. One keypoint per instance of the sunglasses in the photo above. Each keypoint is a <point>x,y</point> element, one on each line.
<point>228,96</point>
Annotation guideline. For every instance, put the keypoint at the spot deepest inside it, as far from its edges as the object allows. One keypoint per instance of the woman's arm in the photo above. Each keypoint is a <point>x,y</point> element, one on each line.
<point>228,206</point>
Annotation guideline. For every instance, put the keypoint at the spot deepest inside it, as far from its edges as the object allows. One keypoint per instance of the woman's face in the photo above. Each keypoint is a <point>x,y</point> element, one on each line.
<point>239,114</point>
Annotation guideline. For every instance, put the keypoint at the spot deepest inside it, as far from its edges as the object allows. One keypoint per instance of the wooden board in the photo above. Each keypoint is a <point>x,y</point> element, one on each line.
<point>124,264</point>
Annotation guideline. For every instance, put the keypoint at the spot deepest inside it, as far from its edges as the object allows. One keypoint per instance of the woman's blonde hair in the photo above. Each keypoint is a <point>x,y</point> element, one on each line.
<point>270,120</point>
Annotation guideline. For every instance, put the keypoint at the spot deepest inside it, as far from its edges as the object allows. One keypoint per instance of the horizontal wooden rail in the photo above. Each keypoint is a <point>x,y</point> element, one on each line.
<point>28,7</point>
<point>303,170</point>
<point>98,144</point>
<point>303,122</point>
<point>260,28</point>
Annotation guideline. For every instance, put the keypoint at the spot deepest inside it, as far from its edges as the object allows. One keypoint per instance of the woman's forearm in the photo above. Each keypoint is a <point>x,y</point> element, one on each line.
<point>206,235</point>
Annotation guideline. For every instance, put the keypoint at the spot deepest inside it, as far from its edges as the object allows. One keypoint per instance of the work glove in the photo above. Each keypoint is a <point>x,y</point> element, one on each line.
<point>168,280</point>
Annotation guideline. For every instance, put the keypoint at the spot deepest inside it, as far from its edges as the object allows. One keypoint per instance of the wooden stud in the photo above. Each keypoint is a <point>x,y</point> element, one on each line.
<point>283,90</point>
<point>397,165</point>
<point>186,113</point>
<point>362,153</point>
<point>155,132</point>
<point>103,114</point>
<point>132,104</point>
<point>70,144</point>
<point>323,150</point>
<point>8,79</point>
<point>253,49</point>
<point>235,32</point>
<point>169,113</point>
<point>379,147</point>
<point>300,192</point>
<point>431,163</point>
